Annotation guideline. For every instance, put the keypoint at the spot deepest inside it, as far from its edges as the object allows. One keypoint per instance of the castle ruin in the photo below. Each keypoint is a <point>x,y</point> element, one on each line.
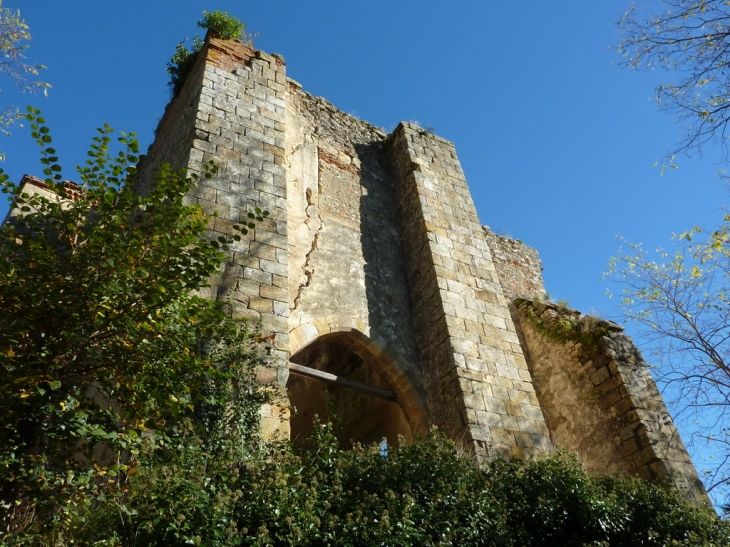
<point>384,300</point>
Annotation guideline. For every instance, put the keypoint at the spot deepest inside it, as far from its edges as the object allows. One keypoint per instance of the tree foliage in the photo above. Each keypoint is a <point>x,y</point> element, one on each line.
<point>680,298</point>
<point>105,349</point>
<point>681,301</point>
<point>13,33</point>
<point>692,39</point>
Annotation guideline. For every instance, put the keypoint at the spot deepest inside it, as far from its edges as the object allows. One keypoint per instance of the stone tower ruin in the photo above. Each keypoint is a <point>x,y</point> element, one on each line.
<point>384,301</point>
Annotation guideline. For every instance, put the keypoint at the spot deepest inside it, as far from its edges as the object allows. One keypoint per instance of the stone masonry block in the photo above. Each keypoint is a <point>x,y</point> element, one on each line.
<point>273,267</point>
<point>274,323</point>
<point>260,304</point>
<point>258,276</point>
<point>281,308</point>
<point>609,399</point>
<point>275,240</point>
<point>474,401</point>
<point>274,293</point>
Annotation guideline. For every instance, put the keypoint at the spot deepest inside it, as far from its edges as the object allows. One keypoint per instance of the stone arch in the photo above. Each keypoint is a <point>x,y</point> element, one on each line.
<point>374,352</point>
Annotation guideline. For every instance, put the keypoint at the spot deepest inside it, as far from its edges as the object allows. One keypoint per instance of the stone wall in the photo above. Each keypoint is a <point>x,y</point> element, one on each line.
<point>176,131</point>
<point>478,385</point>
<point>231,111</point>
<point>345,247</point>
<point>34,186</point>
<point>518,267</point>
<point>599,399</point>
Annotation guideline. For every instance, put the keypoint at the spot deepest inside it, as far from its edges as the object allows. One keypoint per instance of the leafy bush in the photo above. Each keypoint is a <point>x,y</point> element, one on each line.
<point>553,501</point>
<point>222,25</point>
<point>105,351</point>
<point>219,24</point>
<point>420,494</point>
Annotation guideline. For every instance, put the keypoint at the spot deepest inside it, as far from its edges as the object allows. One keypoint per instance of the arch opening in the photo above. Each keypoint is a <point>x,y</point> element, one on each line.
<point>356,417</point>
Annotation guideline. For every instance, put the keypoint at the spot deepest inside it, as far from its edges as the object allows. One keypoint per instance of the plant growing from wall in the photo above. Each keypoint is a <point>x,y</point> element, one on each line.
<point>559,323</point>
<point>218,24</point>
<point>182,62</point>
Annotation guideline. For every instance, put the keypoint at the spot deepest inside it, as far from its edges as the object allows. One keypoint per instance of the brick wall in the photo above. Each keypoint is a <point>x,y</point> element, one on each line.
<point>518,267</point>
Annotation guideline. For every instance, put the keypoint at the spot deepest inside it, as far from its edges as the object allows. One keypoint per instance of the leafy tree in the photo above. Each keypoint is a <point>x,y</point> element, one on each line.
<point>691,38</point>
<point>106,352</point>
<point>680,299</point>
<point>13,32</point>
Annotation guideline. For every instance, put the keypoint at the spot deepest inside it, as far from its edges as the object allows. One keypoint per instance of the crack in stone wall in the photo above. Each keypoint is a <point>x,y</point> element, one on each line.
<point>340,193</point>
<point>307,268</point>
<point>314,224</point>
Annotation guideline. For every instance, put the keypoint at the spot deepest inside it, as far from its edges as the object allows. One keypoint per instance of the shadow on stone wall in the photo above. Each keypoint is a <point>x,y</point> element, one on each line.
<point>386,285</point>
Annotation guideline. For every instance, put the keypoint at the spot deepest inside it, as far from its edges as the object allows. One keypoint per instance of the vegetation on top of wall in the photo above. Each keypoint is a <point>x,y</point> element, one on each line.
<point>558,322</point>
<point>219,24</point>
<point>181,63</point>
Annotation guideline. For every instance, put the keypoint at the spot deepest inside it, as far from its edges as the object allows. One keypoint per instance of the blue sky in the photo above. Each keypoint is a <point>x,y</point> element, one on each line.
<point>557,141</point>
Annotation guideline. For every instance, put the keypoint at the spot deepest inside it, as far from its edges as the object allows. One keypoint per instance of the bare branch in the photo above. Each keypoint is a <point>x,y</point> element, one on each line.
<point>692,39</point>
<point>681,301</point>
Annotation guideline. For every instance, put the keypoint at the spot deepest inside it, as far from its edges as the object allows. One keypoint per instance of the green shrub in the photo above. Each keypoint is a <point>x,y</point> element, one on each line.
<point>103,346</point>
<point>553,501</point>
<point>222,25</point>
<point>219,24</point>
<point>182,62</point>
<point>419,494</point>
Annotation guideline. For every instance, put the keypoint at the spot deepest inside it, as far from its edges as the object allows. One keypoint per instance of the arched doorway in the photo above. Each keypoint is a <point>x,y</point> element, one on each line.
<point>357,417</point>
<point>363,392</point>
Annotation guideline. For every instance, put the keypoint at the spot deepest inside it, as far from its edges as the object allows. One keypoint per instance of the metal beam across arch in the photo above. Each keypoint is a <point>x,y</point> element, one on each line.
<point>328,378</point>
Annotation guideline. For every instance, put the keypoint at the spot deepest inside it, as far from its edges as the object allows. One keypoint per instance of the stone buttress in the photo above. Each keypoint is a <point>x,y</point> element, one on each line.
<point>478,384</point>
